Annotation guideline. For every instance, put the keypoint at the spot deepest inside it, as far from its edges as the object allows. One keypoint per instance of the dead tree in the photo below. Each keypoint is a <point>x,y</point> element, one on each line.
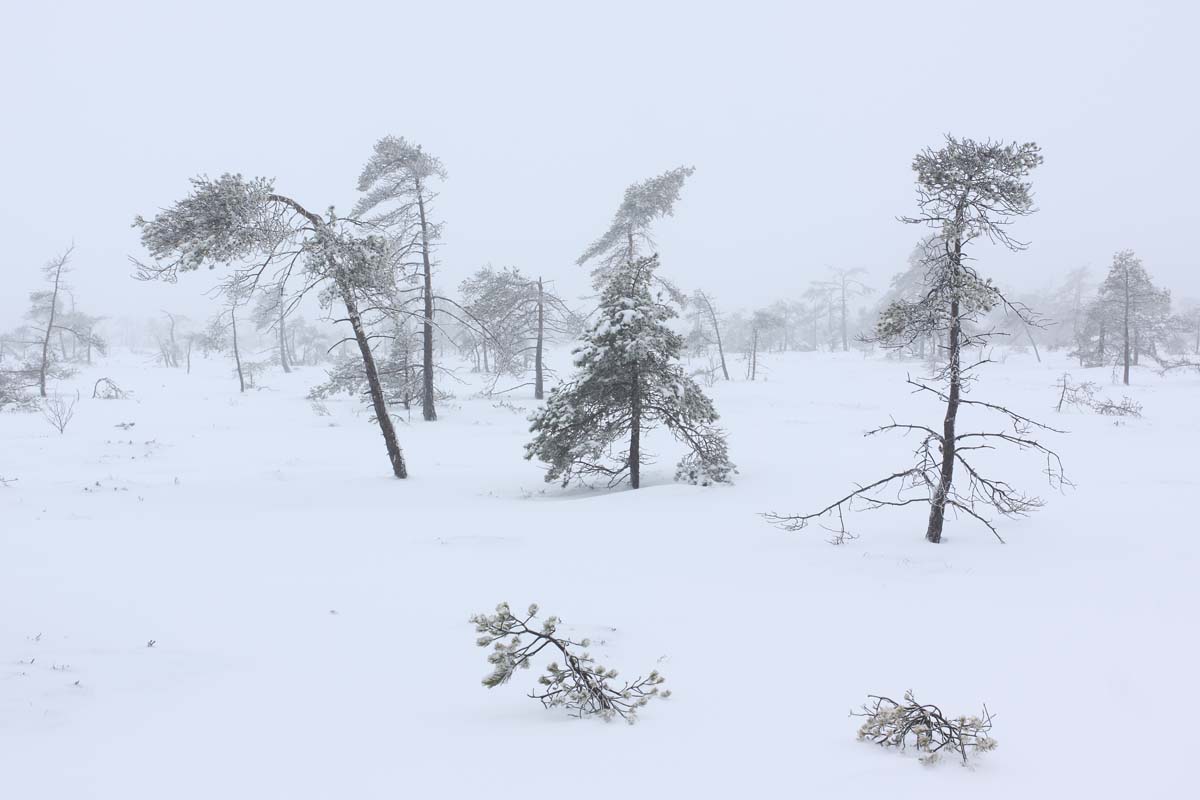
<point>842,287</point>
<point>512,315</point>
<point>53,270</point>
<point>966,191</point>
<point>270,314</point>
<point>234,220</point>
<point>710,314</point>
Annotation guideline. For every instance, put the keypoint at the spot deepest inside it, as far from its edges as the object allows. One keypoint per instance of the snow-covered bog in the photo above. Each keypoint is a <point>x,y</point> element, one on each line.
<point>308,610</point>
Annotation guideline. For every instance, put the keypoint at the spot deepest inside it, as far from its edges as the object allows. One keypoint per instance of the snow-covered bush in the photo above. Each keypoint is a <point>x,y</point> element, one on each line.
<point>579,684</point>
<point>892,724</point>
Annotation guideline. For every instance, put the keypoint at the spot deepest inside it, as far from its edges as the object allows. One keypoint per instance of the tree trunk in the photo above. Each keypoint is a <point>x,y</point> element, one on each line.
<point>283,355</point>
<point>1029,333</point>
<point>382,418</point>
<point>45,365</point>
<point>937,510</point>
<point>538,392</point>
<point>1126,342</point>
<point>237,356</point>
<point>712,317</point>
<point>635,432</point>
<point>752,368</point>
<point>845,338</point>
<point>941,494</point>
<point>427,409</point>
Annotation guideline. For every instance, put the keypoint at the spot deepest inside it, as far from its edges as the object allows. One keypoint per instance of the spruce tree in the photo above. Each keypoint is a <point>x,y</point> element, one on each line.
<point>628,380</point>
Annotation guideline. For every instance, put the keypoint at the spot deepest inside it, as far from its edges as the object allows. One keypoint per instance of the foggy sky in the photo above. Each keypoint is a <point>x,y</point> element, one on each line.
<point>801,121</point>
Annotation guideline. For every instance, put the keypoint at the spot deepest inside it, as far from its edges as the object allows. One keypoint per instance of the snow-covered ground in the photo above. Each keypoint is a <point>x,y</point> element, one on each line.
<point>309,612</point>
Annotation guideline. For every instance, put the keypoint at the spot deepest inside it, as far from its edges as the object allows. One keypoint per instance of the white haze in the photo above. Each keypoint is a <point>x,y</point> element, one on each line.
<point>801,120</point>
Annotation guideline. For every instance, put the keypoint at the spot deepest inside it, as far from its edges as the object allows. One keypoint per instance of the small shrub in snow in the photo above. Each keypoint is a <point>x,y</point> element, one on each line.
<point>1078,395</point>
<point>1086,396</point>
<point>1125,407</point>
<point>891,724</point>
<point>579,684</point>
<point>59,411</point>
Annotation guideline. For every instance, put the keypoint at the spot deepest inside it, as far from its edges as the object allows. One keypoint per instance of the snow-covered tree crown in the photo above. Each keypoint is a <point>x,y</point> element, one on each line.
<point>397,169</point>
<point>629,233</point>
<point>245,222</point>
<point>631,324</point>
<point>220,221</point>
<point>968,189</point>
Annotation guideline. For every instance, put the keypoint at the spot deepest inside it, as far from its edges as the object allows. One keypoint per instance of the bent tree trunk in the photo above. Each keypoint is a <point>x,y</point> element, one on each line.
<point>384,420</point>
<point>237,355</point>
<point>937,511</point>
<point>716,326</point>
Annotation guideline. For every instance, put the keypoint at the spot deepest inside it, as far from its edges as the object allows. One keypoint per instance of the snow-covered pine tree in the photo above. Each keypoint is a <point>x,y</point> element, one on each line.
<point>966,191</point>
<point>629,379</point>
<point>628,236</point>
<point>396,193</point>
<point>1130,312</point>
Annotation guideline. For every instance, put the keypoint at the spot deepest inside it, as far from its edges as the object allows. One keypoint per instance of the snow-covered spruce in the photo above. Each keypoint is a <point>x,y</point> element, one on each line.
<point>580,684</point>
<point>628,380</point>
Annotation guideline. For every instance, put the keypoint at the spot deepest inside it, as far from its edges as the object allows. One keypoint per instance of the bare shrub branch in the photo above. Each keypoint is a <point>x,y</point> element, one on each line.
<point>891,724</point>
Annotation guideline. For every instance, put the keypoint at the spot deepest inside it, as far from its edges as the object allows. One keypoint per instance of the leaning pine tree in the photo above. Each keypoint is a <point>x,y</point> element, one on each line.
<point>629,380</point>
<point>966,191</point>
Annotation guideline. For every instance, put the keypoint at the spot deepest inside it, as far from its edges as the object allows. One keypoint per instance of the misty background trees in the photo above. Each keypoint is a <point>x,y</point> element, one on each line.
<point>643,346</point>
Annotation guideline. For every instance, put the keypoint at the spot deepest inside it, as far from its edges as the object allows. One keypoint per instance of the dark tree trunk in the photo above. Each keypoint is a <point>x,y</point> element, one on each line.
<point>941,493</point>
<point>937,510</point>
<point>538,392</point>
<point>635,432</point>
<point>753,366</point>
<point>382,418</point>
<point>427,408</point>
<point>1126,322</point>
